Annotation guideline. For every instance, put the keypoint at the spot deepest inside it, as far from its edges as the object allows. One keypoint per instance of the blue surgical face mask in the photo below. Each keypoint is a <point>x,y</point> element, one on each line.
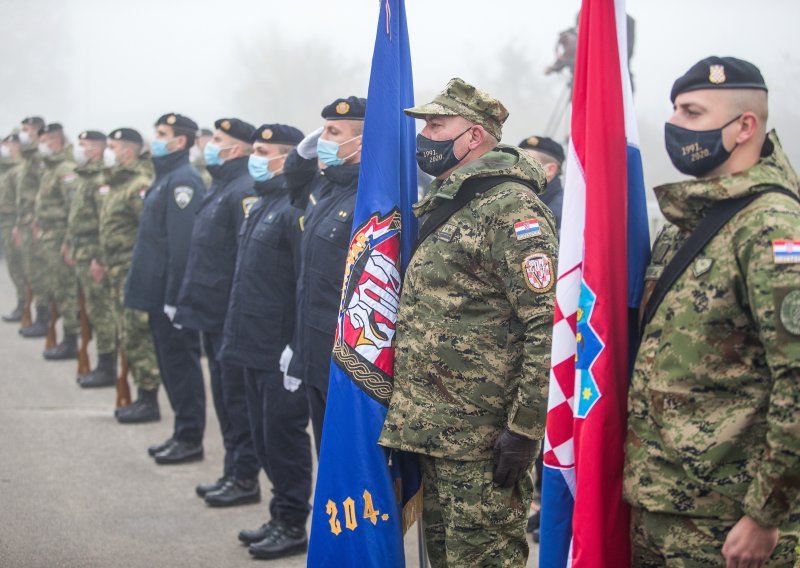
<point>158,147</point>
<point>211,154</point>
<point>328,151</point>
<point>258,166</point>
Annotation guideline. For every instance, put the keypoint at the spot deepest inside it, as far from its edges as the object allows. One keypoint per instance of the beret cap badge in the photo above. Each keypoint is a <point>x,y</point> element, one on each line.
<point>267,134</point>
<point>716,74</point>
<point>171,119</point>
<point>226,125</point>
<point>343,107</point>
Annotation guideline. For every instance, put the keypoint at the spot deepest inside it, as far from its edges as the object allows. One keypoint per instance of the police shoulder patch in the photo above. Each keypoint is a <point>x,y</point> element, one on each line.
<point>247,204</point>
<point>538,271</point>
<point>183,195</point>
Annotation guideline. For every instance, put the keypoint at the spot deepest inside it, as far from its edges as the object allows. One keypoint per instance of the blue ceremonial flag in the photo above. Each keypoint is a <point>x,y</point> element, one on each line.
<point>365,496</point>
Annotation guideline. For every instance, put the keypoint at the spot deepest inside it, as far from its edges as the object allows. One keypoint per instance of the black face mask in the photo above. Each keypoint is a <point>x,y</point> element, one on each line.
<point>435,157</point>
<point>696,152</point>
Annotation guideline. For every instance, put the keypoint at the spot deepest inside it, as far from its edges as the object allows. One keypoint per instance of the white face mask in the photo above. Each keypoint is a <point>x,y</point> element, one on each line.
<point>109,158</point>
<point>44,149</point>
<point>79,153</point>
<point>5,152</point>
<point>24,137</point>
<point>195,154</point>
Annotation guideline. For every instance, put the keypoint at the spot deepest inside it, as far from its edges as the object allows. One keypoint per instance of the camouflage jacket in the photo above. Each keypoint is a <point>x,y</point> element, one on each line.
<point>121,209</point>
<point>56,191</point>
<point>9,177</point>
<point>83,232</point>
<point>30,176</point>
<point>475,318</point>
<point>714,404</point>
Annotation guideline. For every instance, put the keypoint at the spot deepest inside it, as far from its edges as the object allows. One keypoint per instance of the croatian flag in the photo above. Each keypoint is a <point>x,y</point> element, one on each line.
<point>786,252</point>
<point>604,251</point>
<point>366,497</point>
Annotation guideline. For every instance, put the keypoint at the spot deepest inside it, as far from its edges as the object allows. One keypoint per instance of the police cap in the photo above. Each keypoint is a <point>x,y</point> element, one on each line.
<point>351,108</point>
<point>236,128</point>
<point>544,145</point>
<point>178,122</point>
<point>278,134</point>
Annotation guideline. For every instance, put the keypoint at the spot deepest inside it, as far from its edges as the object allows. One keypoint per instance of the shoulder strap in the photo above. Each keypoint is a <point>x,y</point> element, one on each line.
<point>716,218</point>
<point>472,188</point>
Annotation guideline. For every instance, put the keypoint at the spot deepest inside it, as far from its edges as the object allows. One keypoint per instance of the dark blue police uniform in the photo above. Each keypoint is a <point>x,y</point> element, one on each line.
<point>260,323</point>
<point>203,304</point>
<point>155,276</point>
<point>327,222</point>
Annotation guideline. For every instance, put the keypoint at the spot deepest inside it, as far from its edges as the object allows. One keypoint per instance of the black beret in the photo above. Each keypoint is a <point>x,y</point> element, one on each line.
<point>719,73</point>
<point>236,128</point>
<point>92,135</point>
<point>205,132</point>
<point>33,121</point>
<point>127,135</point>
<point>179,121</point>
<point>13,137</point>
<point>351,108</point>
<point>278,134</point>
<point>544,145</point>
<point>50,128</point>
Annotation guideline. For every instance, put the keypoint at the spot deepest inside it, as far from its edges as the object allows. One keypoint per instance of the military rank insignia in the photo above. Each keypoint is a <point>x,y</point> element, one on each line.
<point>538,271</point>
<point>526,229</point>
<point>183,196</point>
<point>786,252</point>
<point>701,266</point>
<point>247,204</point>
<point>447,232</point>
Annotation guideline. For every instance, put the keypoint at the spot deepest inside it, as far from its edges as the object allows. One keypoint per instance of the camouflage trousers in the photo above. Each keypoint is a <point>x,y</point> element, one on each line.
<point>133,331</point>
<point>470,521</point>
<point>99,308</point>
<point>15,261</point>
<point>34,268</point>
<point>678,541</point>
<point>60,283</point>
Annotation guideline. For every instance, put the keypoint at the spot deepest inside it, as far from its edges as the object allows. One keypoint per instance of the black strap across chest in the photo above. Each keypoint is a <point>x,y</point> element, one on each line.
<point>469,190</point>
<point>716,218</point>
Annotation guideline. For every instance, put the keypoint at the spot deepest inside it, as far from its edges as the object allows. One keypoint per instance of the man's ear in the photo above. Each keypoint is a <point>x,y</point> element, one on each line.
<point>750,124</point>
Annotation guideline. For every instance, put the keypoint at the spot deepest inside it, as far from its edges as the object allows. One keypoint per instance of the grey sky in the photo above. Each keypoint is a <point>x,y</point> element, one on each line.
<point>103,64</point>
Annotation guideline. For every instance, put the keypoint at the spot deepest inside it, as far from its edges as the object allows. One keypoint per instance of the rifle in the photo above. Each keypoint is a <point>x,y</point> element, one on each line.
<point>123,390</point>
<point>26,309</point>
<point>51,340</point>
<point>84,366</point>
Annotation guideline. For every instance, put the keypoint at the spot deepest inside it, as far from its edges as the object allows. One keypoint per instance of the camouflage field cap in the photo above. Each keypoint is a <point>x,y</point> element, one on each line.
<point>459,98</point>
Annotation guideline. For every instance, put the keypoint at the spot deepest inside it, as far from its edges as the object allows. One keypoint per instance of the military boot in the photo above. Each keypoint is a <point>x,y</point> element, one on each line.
<point>16,314</point>
<point>144,409</point>
<point>104,375</point>
<point>67,349</point>
<point>39,327</point>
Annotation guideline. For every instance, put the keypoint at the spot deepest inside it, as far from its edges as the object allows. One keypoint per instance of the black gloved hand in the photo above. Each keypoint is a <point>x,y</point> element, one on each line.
<point>513,456</point>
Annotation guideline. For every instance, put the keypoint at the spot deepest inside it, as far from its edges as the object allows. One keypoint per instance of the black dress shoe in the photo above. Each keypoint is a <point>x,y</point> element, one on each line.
<point>16,314</point>
<point>235,492</point>
<point>204,488</point>
<point>282,540</point>
<point>253,536</point>
<point>156,448</point>
<point>67,349</point>
<point>180,452</point>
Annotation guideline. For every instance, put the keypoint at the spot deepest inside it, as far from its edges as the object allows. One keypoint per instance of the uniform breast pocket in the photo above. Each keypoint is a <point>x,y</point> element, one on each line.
<point>334,232</point>
<point>266,239</point>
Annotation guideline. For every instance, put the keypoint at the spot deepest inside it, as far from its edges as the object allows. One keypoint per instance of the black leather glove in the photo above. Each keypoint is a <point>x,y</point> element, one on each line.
<point>513,456</point>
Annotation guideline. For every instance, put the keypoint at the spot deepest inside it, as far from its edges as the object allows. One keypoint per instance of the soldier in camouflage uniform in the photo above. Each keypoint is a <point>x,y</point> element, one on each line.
<point>83,244</point>
<point>51,211</point>
<point>119,221</point>
<point>473,335</point>
<point>713,448</point>
<point>27,188</point>
<point>10,167</point>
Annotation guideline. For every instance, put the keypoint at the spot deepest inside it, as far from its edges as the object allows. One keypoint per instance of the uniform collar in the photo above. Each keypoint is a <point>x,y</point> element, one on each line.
<point>172,161</point>
<point>228,170</point>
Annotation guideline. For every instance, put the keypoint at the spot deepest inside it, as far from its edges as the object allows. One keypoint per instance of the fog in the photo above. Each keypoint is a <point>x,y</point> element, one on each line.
<point>102,64</point>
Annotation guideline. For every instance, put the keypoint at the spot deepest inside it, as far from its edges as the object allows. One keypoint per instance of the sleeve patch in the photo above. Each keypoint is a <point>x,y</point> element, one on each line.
<point>786,251</point>
<point>68,178</point>
<point>538,272</point>
<point>183,196</point>
<point>526,229</point>
<point>103,190</point>
<point>787,304</point>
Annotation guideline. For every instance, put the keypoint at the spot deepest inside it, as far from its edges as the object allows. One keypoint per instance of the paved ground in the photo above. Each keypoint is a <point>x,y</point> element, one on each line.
<point>77,490</point>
